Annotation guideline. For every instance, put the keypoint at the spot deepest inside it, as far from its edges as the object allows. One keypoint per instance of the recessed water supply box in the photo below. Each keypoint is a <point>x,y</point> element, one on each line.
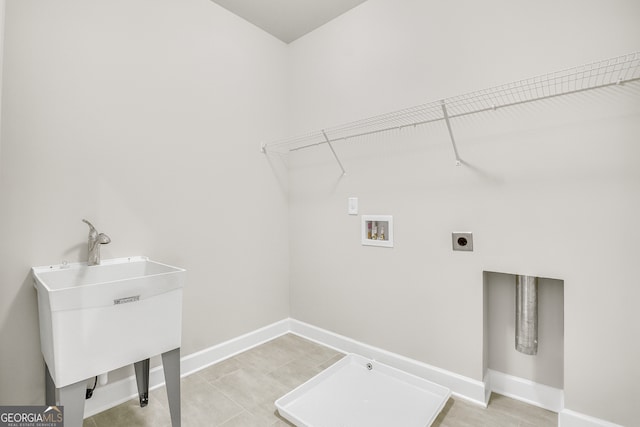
<point>377,230</point>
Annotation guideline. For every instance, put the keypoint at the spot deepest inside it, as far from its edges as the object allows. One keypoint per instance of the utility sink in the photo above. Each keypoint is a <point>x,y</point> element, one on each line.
<point>94,319</point>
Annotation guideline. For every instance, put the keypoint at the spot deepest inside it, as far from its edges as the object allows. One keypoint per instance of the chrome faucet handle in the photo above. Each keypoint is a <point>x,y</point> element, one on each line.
<point>101,238</point>
<point>93,233</point>
<point>93,229</point>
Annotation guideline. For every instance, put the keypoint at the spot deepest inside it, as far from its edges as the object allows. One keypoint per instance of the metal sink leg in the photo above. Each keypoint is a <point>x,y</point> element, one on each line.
<point>142,378</point>
<point>71,397</point>
<point>171,365</point>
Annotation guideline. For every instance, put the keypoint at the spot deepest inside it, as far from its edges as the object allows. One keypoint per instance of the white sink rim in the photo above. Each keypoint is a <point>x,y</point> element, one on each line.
<point>41,274</point>
<point>131,279</point>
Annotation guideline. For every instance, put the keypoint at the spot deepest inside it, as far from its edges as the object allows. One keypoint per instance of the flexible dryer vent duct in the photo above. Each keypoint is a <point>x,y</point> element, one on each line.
<point>527,314</point>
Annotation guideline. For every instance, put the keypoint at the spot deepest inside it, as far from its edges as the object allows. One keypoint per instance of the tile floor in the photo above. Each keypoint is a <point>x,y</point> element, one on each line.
<point>240,391</point>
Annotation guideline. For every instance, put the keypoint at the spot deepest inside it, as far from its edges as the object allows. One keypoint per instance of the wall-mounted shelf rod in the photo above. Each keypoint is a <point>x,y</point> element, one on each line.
<point>609,72</point>
<point>356,135</point>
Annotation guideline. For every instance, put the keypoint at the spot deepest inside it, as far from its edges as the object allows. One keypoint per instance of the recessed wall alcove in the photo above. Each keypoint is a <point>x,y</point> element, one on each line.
<point>502,363</point>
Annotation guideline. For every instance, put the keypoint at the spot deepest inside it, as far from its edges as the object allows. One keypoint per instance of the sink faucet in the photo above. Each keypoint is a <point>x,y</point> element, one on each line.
<point>95,240</point>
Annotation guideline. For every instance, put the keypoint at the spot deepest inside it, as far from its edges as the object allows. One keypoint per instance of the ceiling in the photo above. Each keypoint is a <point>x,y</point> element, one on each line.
<point>288,19</point>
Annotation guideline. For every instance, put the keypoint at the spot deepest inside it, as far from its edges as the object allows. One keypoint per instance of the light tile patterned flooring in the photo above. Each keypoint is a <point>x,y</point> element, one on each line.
<point>240,392</point>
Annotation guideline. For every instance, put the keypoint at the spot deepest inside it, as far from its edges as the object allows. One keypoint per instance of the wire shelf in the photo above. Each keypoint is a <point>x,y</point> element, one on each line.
<point>608,72</point>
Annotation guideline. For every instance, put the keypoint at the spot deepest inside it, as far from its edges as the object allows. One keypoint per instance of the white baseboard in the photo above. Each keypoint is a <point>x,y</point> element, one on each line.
<point>207,357</point>
<point>525,390</point>
<point>459,385</point>
<point>117,392</point>
<point>568,418</point>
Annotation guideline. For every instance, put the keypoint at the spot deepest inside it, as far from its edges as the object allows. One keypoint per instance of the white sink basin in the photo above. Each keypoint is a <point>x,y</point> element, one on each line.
<point>94,319</point>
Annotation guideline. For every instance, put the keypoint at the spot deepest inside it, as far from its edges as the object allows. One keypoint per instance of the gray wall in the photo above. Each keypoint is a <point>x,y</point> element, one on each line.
<point>144,117</point>
<point>549,189</point>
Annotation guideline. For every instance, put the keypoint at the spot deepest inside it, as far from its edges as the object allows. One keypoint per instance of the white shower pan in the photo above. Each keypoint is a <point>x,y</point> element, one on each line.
<point>359,392</point>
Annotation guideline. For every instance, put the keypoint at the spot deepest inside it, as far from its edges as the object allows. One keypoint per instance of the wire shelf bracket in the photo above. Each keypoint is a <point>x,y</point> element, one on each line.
<point>344,172</point>
<point>453,140</point>
<point>609,72</point>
